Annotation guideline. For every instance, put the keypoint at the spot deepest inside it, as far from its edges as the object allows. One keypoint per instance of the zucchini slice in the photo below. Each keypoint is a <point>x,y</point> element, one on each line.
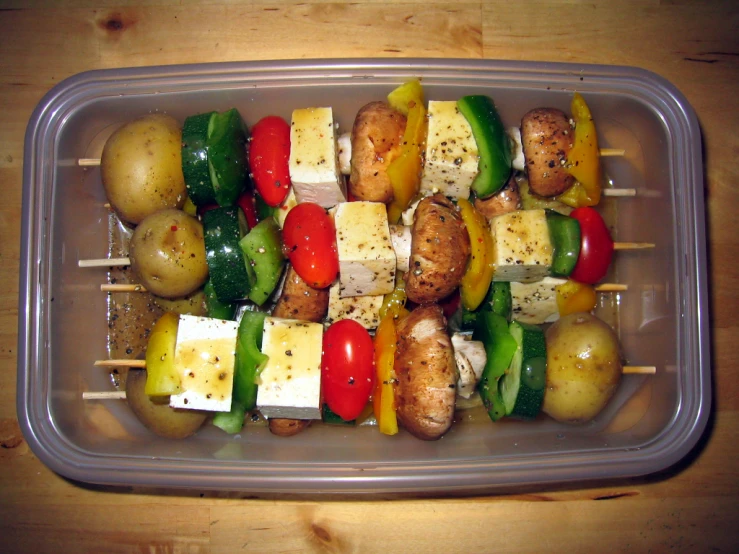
<point>522,387</point>
<point>231,275</point>
<point>214,159</point>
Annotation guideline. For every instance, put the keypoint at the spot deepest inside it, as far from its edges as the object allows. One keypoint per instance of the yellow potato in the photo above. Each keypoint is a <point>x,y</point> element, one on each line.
<point>168,254</point>
<point>583,368</point>
<point>157,415</point>
<point>141,167</point>
<point>192,304</point>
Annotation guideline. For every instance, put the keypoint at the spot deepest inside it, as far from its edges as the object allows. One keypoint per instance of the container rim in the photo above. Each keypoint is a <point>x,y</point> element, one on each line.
<point>33,394</point>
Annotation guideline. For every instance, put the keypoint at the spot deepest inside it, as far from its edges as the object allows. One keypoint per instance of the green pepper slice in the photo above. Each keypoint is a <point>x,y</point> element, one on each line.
<point>492,144</point>
<point>262,248</point>
<point>492,330</point>
<point>564,232</point>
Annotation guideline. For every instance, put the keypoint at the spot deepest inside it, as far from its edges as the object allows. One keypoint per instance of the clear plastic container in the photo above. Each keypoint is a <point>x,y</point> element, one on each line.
<point>652,423</point>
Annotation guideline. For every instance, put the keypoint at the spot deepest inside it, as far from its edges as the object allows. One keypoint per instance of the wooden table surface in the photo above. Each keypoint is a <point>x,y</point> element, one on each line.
<point>695,45</point>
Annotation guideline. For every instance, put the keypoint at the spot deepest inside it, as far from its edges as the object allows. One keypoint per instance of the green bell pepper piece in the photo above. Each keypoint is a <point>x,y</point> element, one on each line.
<point>564,232</point>
<point>492,330</point>
<point>492,144</point>
<point>262,247</point>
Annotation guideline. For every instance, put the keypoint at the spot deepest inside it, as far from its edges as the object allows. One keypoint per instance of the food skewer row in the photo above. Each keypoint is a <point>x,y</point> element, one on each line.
<point>198,374</point>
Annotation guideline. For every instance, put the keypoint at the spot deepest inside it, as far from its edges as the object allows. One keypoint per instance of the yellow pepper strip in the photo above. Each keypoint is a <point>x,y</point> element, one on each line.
<point>384,397</point>
<point>583,161</point>
<point>479,274</point>
<point>574,297</point>
<point>404,171</point>
<point>394,303</point>
<point>405,95</point>
<point>161,377</point>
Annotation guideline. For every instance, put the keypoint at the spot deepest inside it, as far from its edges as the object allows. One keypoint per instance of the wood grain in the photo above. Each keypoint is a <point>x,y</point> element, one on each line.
<point>690,508</point>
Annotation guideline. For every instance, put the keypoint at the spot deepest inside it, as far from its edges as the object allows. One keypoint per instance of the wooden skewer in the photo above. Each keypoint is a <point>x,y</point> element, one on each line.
<point>632,245</point>
<point>618,193</point>
<point>120,287</point>
<point>104,395</point>
<point>604,152</point>
<point>612,152</point>
<point>121,395</point>
<point>120,262</point>
<point>104,262</point>
<point>141,364</point>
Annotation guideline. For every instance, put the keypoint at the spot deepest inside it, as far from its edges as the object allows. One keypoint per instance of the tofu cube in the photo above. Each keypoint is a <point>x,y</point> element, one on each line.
<point>314,162</point>
<point>452,157</point>
<point>365,310</point>
<point>290,383</point>
<point>204,358</point>
<point>522,249</point>
<point>366,256</point>
<point>536,303</point>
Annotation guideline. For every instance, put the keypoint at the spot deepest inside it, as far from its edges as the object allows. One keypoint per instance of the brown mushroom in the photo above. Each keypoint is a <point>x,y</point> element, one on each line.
<point>440,247</point>
<point>426,373</point>
<point>504,201</point>
<point>301,301</point>
<point>377,138</point>
<point>546,135</point>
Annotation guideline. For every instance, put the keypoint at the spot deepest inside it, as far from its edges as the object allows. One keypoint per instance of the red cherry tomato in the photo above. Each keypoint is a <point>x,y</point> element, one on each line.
<point>247,204</point>
<point>596,247</point>
<point>269,156</point>
<point>310,244</point>
<point>347,368</point>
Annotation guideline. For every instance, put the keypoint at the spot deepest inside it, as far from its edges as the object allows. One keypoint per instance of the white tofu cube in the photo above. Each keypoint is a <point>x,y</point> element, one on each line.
<point>204,359</point>
<point>366,256</point>
<point>365,310</point>
<point>452,157</point>
<point>522,249</point>
<point>290,383</point>
<point>314,162</point>
<point>536,303</point>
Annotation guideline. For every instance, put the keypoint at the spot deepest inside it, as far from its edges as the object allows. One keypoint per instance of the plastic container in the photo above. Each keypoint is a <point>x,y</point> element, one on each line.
<point>651,424</point>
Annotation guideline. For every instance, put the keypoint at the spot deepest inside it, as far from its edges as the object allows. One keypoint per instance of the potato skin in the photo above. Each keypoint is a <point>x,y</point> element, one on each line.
<point>583,368</point>
<point>301,301</point>
<point>141,167</point>
<point>426,373</point>
<point>440,248</point>
<point>546,135</point>
<point>377,138</point>
<point>161,419</point>
<point>168,254</point>
<point>285,427</point>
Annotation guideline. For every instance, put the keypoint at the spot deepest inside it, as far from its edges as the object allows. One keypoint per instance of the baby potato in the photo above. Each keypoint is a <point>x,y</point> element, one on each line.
<point>192,304</point>
<point>157,415</point>
<point>583,368</point>
<point>141,167</point>
<point>168,253</point>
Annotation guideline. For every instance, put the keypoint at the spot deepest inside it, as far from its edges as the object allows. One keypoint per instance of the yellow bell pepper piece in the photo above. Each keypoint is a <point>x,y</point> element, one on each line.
<point>404,171</point>
<point>405,96</point>
<point>574,297</point>
<point>583,161</point>
<point>190,208</point>
<point>479,273</point>
<point>383,400</point>
<point>394,303</point>
<point>161,377</point>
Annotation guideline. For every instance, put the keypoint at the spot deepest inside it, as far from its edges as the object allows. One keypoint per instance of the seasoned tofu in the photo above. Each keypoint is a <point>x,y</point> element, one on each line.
<point>365,310</point>
<point>204,359</point>
<point>452,157</point>
<point>314,161</point>
<point>290,383</point>
<point>536,303</point>
<point>522,249</point>
<point>366,256</point>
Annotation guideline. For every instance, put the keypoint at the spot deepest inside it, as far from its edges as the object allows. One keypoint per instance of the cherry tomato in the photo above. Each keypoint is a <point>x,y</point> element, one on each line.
<point>596,248</point>
<point>248,205</point>
<point>347,368</point>
<point>269,156</point>
<point>310,244</point>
